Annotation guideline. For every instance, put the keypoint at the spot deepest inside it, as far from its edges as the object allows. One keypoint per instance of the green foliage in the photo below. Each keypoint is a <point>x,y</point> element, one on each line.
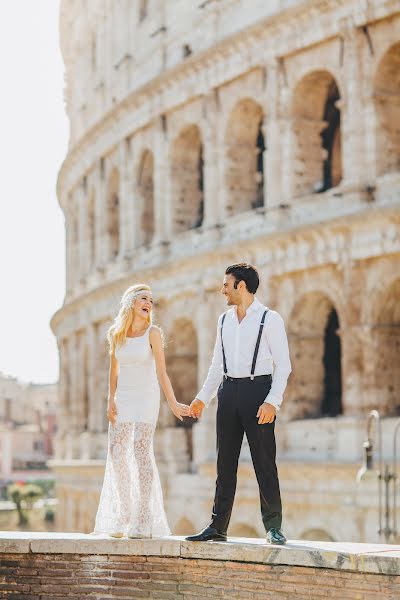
<point>32,493</point>
<point>15,493</point>
<point>47,486</point>
<point>24,493</point>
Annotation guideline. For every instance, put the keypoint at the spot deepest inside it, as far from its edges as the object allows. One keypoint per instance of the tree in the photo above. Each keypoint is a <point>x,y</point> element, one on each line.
<point>22,494</point>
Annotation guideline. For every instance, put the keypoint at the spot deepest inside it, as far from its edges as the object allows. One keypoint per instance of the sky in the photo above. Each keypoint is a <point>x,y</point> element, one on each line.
<point>33,143</point>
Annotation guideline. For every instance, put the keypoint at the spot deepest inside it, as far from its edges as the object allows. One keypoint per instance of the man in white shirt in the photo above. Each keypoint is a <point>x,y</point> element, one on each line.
<point>249,373</point>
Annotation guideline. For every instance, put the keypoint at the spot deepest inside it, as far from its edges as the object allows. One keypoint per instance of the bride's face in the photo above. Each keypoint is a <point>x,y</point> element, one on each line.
<point>143,305</point>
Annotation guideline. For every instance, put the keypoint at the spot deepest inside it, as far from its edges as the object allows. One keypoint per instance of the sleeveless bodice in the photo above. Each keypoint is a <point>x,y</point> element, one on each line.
<point>136,364</point>
<point>138,394</point>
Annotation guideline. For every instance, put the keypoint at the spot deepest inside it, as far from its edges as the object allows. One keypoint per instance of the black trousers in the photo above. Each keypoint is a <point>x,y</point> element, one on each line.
<point>238,404</point>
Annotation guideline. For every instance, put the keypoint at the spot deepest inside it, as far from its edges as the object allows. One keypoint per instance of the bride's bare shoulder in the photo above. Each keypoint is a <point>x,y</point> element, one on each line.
<point>156,333</point>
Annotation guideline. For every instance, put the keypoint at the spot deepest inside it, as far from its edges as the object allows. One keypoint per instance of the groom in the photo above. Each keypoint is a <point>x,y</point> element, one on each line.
<point>251,344</point>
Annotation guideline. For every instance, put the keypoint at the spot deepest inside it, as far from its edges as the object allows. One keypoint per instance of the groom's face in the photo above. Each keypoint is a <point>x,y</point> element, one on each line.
<point>228,289</point>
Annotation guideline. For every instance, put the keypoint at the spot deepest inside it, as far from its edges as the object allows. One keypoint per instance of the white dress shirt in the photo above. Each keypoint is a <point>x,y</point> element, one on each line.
<point>239,345</point>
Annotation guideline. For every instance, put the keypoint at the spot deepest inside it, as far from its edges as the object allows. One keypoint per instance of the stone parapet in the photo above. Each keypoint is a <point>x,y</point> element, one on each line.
<point>34,565</point>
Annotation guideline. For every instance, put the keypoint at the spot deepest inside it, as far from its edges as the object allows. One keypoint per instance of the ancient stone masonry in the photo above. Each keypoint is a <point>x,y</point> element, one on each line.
<point>203,134</point>
<point>75,565</point>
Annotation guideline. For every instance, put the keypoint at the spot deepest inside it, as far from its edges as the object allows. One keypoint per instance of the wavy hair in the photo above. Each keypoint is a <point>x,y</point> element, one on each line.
<point>117,333</point>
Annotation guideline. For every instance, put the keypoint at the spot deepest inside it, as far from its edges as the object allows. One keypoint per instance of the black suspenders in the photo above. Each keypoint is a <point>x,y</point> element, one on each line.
<point>222,343</point>
<point>253,366</point>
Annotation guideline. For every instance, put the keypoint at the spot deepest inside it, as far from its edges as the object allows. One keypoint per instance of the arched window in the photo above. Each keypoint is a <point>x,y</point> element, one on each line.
<point>386,343</point>
<point>91,230</point>
<point>387,104</point>
<point>316,126</point>
<point>314,387</point>
<point>182,365</point>
<point>146,198</point>
<point>187,180</point>
<point>332,397</point>
<point>112,212</point>
<point>245,146</point>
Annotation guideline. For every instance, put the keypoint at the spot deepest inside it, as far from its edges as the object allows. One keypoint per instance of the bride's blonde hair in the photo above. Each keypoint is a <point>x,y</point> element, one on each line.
<point>116,335</point>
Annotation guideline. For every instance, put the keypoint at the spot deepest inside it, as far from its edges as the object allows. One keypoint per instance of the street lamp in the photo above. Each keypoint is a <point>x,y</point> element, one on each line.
<point>384,475</point>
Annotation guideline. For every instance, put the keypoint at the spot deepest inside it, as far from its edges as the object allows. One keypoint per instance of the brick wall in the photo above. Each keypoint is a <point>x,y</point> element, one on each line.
<point>33,576</point>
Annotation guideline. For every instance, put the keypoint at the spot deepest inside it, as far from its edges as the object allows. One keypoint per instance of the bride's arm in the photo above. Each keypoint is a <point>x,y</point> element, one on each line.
<point>179,410</point>
<point>112,386</point>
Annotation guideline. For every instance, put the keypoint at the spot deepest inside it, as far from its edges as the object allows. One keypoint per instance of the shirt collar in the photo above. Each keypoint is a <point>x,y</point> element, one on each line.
<point>254,307</point>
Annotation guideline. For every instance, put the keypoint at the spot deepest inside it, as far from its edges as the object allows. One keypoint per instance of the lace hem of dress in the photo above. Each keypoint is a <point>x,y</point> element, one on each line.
<point>131,500</point>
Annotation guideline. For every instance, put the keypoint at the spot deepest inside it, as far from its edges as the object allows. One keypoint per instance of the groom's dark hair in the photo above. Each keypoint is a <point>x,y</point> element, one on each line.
<point>247,273</point>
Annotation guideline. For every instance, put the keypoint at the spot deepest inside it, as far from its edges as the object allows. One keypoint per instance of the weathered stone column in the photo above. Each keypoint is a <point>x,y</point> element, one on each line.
<point>207,311</point>
<point>81,382</point>
<point>357,120</point>
<point>69,270</point>
<point>162,184</point>
<point>73,373</point>
<point>83,238</point>
<point>126,207</point>
<point>222,200</point>
<point>273,132</point>
<point>211,158</point>
<point>91,340</point>
<point>370,124</point>
<point>100,215</point>
<point>64,398</point>
<point>101,357</point>
<point>72,224</point>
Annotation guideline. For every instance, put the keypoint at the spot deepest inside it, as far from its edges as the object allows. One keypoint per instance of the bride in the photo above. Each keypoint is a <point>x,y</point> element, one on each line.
<point>131,501</point>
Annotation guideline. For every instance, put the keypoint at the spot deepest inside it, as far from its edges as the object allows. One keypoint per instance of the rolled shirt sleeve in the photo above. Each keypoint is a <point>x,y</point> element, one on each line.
<point>278,344</point>
<point>215,372</point>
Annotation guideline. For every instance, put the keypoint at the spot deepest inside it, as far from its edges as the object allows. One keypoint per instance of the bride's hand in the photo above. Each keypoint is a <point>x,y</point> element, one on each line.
<point>111,412</point>
<point>180,410</point>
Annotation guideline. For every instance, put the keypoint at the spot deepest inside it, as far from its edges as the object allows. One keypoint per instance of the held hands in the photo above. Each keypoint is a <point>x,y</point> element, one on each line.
<point>180,410</point>
<point>196,408</point>
<point>111,411</point>
<point>266,413</point>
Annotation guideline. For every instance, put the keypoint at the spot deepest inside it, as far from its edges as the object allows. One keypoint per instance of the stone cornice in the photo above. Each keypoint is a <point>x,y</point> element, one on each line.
<point>327,243</point>
<point>360,558</point>
<point>213,68</point>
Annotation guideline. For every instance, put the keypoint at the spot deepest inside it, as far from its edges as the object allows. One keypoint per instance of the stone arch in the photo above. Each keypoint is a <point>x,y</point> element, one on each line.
<point>245,147</point>
<point>112,213</point>
<point>243,530</point>
<point>187,180</point>
<point>317,135</point>
<point>182,367</point>
<point>386,342</point>
<point>315,385</point>
<point>145,188</point>
<point>91,229</point>
<point>184,527</point>
<point>387,106</point>
<point>316,535</point>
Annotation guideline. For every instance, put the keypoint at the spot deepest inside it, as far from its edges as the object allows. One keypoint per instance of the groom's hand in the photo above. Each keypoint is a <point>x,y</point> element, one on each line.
<point>266,413</point>
<point>196,408</point>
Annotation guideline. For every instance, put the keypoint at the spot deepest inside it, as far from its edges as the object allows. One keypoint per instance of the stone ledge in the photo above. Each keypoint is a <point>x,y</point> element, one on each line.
<point>362,558</point>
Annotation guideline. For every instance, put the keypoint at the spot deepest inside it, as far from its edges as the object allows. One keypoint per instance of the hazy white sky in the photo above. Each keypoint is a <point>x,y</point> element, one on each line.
<point>33,143</point>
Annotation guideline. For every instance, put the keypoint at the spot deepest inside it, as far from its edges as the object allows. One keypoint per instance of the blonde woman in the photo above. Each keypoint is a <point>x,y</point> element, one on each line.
<point>131,501</point>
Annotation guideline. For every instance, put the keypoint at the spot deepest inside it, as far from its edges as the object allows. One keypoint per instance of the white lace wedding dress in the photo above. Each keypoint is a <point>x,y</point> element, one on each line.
<point>131,500</point>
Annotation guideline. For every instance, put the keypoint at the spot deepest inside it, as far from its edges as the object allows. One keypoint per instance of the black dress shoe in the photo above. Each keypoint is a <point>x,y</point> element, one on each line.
<point>209,534</point>
<point>275,536</point>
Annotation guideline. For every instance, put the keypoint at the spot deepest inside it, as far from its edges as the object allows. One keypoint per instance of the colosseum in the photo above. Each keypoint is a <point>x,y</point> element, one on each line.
<point>207,132</point>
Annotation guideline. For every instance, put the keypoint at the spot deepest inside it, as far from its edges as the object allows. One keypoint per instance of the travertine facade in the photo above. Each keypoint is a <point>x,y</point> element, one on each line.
<point>203,133</point>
